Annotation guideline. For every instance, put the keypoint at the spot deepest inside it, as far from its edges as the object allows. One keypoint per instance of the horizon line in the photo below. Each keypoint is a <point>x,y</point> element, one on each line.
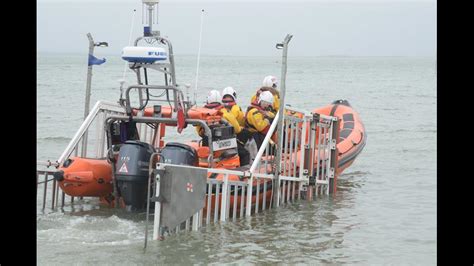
<point>223,55</point>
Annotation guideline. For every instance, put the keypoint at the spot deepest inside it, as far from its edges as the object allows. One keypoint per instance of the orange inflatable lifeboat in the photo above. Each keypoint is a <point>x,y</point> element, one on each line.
<point>93,177</point>
<point>352,135</point>
<point>84,177</point>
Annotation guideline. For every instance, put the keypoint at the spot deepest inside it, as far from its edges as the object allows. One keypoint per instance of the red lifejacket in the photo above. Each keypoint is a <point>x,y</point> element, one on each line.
<point>216,106</point>
<point>228,105</point>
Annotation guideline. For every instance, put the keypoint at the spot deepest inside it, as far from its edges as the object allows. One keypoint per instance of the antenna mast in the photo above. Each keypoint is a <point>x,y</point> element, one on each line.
<point>122,80</point>
<point>148,30</point>
<point>199,56</point>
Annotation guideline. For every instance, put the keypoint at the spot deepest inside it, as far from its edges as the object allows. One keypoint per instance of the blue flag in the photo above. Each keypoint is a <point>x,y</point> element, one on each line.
<point>95,61</point>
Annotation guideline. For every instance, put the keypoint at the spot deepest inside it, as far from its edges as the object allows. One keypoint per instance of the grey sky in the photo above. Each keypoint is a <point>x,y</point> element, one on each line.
<point>354,28</point>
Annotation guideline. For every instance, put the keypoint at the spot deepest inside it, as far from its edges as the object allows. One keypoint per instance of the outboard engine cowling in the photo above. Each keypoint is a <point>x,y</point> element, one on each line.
<point>132,173</point>
<point>180,154</point>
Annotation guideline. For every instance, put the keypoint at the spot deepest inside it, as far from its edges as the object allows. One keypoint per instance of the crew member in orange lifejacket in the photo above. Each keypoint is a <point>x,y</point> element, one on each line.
<point>214,102</point>
<point>270,83</point>
<point>259,117</point>
<point>229,97</point>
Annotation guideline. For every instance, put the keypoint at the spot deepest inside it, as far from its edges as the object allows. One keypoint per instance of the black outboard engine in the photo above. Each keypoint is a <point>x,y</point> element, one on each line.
<point>132,173</point>
<point>180,154</point>
<point>343,102</point>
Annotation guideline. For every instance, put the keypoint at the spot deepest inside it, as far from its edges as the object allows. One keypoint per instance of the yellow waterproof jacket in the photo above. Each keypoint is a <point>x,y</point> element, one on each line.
<point>276,98</point>
<point>229,117</point>
<point>256,121</point>
<point>238,114</point>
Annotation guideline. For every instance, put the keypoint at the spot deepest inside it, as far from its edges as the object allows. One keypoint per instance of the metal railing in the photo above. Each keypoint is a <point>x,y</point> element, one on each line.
<point>172,92</point>
<point>307,168</point>
<point>321,151</point>
<point>226,199</point>
<point>79,144</point>
<point>98,114</point>
<point>96,123</point>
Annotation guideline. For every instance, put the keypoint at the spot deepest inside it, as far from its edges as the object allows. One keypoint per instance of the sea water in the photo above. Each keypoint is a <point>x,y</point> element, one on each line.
<point>384,211</point>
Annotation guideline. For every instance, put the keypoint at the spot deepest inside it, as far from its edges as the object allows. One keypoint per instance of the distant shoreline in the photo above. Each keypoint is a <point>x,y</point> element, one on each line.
<point>244,56</point>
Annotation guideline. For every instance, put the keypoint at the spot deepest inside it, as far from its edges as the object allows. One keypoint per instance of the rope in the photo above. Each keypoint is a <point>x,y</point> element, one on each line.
<point>125,65</point>
<point>199,55</point>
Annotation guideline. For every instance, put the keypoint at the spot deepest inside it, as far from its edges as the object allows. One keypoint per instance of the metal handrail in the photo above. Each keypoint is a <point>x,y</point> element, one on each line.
<point>153,87</point>
<point>99,106</point>
<point>265,142</point>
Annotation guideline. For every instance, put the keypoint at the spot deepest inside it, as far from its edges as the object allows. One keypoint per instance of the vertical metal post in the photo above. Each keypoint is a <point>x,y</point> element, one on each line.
<point>57,194</point>
<point>324,172</point>
<point>216,205</point>
<point>186,224</point>
<point>228,202</point>
<point>302,148</point>
<point>224,198</point>
<point>284,148</point>
<point>156,222</point>
<point>234,207</point>
<point>290,154</point>
<point>264,194</point>
<point>276,180</point>
<point>242,195</point>
<point>288,187</point>
<point>293,184</point>
<point>334,157</point>
<point>195,225</point>
<point>200,218</point>
<point>319,160</point>
<point>297,139</point>
<point>208,208</point>
<point>54,194</point>
<point>257,195</point>
<point>150,15</point>
<point>63,196</point>
<point>88,93</point>
<point>45,188</point>
<point>283,192</point>
<point>248,209</point>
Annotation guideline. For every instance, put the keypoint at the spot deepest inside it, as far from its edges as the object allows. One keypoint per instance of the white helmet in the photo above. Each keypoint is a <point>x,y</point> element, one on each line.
<point>266,96</point>
<point>229,91</point>
<point>214,96</point>
<point>270,81</point>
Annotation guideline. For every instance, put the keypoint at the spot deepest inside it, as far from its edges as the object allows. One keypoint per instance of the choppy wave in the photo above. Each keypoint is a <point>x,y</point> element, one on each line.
<point>89,230</point>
